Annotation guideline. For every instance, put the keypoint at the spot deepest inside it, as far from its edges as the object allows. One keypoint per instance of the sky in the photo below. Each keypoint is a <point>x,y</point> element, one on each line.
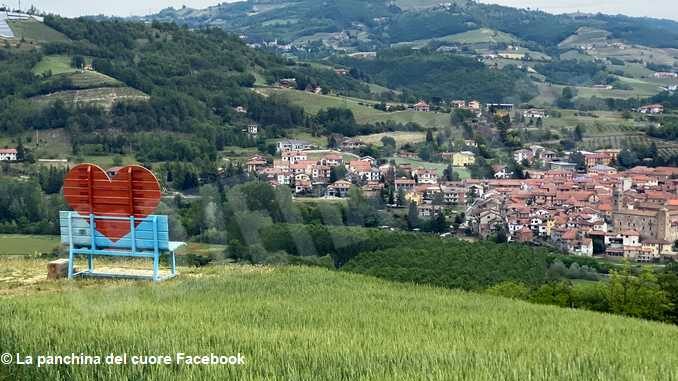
<point>71,8</point>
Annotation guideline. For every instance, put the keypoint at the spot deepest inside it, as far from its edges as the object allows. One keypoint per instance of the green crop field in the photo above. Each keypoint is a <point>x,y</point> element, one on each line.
<point>295,323</point>
<point>56,64</point>
<point>476,36</point>
<point>35,31</point>
<point>401,137</point>
<point>364,113</point>
<point>18,244</point>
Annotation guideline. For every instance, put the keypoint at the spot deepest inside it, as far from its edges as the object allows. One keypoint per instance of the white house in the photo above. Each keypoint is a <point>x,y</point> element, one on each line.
<point>293,145</point>
<point>8,154</point>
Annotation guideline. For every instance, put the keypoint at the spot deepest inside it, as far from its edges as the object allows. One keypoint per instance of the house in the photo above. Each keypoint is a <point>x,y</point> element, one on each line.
<point>562,166</point>
<point>665,74</point>
<point>293,145</point>
<point>339,188</point>
<point>408,155</point>
<point>255,163</point>
<point>288,83</point>
<point>524,235</point>
<point>252,129</point>
<point>653,109</point>
<point>474,106</point>
<point>463,159</point>
<point>429,210</point>
<point>501,172</point>
<point>534,113</point>
<point>470,143</point>
<point>342,72</point>
<point>458,104</point>
<point>426,176</point>
<point>332,160</point>
<point>406,185</point>
<point>302,186</point>
<point>364,170</point>
<point>523,154</point>
<point>422,106</point>
<point>499,109</point>
<point>291,157</point>
<point>241,110</point>
<point>349,144</point>
<point>8,154</point>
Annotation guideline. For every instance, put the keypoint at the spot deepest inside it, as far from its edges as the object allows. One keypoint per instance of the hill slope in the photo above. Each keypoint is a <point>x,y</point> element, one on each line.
<point>304,323</point>
<point>380,22</point>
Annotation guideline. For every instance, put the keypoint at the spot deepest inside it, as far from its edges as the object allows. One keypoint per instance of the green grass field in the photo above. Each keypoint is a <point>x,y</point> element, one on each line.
<point>298,323</point>
<point>364,113</point>
<point>476,36</point>
<point>17,244</point>
<point>56,64</point>
<point>36,31</point>
<point>401,137</point>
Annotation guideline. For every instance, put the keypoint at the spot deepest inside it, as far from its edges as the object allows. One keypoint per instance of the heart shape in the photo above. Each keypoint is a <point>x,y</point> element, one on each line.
<point>133,191</point>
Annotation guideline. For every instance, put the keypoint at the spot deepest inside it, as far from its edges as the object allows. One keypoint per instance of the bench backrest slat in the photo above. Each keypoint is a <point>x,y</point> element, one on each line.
<point>144,234</point>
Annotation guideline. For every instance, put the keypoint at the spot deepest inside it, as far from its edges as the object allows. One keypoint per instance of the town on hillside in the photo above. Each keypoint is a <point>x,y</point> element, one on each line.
<point>594,210</point>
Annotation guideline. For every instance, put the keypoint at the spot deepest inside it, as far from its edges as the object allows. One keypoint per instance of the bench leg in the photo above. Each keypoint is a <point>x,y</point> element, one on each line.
<point>90,264</point>
<point>70,263</point>
<point>156,267</point>
<point>174,264</point>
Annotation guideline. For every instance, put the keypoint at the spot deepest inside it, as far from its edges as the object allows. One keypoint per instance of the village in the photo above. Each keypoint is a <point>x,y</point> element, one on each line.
<point>591,211</point>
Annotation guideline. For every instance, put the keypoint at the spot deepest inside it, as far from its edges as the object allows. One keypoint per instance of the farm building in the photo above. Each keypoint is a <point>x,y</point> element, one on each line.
<point>8,154</point>
<point>651,109</point>
<point>422,106</point>
<point>293,145</point>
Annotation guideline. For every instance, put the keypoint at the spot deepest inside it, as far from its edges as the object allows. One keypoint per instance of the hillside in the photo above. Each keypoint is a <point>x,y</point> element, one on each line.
<point>306,323</point>
<point>377,23</point>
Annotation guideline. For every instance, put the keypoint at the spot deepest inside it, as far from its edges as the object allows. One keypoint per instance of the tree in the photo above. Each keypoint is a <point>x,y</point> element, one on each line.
<point>578,133</point>
<point>627,158</point>
<point>400,199</point>
<point>450,174</point>
<point>412,216</point>
<point>579,159</point>
<point>337,173</point>
<point>637,296</point>
<point>439,223</point>
<point>668,280</point>
<point>78,61</point>
<point>20,150</point>
<point>429,136</point>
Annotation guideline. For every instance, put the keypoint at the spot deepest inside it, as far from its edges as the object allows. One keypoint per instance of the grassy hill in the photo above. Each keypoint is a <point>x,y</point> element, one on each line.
<point>476,36</point>
<point>33,30</point>
<point>362,109</point>
<point>305,323</point>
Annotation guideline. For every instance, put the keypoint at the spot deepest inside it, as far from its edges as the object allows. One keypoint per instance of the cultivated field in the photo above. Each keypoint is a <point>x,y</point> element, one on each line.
<point>476,36</point>
<point>364,113</point>
<point>56,64</point>
<point>401,137</point>
<point>103,96</point>
<point>33,30</point>
<point>18,244</point>
<point>312,324</point>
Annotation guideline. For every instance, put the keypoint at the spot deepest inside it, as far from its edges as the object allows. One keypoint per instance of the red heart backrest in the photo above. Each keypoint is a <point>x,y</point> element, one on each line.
<point>133,190</point>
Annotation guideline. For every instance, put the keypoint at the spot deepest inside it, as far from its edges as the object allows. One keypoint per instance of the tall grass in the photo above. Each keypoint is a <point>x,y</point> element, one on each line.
<point>315,324</point>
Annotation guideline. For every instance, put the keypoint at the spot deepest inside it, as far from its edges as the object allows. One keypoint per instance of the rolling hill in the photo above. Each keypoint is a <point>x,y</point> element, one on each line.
<point>381,22</point>
<point>307,323</point>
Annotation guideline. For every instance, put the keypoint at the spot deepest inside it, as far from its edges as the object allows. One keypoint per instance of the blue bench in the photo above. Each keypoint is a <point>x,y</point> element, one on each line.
<point>149,239</point>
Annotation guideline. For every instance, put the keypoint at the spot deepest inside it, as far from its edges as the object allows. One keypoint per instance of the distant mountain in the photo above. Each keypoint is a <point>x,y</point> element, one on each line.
<point>374,24</point>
